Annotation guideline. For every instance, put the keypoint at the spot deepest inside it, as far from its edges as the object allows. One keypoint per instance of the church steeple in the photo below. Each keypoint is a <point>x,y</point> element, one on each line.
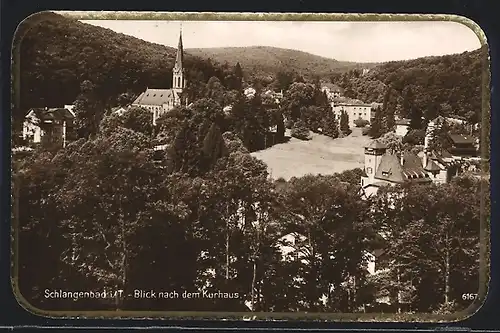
<point>179,59</point>
<point>178,79</point>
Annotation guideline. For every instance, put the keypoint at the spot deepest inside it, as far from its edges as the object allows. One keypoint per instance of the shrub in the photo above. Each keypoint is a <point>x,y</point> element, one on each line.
<point>360,122</point>
<point>300,131</point>
<point>414,137</point>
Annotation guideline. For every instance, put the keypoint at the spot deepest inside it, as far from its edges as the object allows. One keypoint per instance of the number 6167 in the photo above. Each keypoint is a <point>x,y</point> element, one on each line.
<point>469,297</point>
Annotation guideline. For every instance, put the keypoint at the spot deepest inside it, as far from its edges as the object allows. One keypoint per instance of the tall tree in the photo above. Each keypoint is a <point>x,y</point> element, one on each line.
<point>89,110</point>
<point>344,123</point>
<point>389,108</point>
<point>376,124</point>
<point>408,103</point>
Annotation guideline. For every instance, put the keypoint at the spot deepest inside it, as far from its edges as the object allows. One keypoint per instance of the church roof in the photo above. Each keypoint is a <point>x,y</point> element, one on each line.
<point>155,97</point>
<point>179,58</point>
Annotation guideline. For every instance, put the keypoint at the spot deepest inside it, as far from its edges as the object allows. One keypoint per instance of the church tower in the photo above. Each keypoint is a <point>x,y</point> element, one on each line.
<point>178,75</point>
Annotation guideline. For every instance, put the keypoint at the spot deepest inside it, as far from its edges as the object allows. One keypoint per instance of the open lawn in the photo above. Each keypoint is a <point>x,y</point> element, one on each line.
<point>320,155</point>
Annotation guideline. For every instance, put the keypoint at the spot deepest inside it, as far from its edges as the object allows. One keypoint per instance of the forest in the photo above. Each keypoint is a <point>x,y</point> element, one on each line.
<point>447,85</point>
<point>105,213</point>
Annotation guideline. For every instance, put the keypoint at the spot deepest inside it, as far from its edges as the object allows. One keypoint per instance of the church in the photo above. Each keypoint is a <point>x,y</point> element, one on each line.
<point>159,101</point>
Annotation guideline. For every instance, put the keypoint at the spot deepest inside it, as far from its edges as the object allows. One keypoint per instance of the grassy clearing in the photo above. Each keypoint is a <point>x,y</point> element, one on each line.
<point>320,155</point>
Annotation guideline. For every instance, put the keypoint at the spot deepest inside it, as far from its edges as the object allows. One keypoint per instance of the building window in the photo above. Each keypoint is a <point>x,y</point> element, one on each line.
<point>385,173</point>
<point>369,170</point>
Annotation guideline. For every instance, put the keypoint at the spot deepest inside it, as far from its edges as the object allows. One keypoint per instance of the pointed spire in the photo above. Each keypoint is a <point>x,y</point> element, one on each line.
<point>179,59</point>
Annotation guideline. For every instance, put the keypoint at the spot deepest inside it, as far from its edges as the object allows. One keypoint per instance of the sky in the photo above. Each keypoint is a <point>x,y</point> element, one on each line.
<point>344,41</point>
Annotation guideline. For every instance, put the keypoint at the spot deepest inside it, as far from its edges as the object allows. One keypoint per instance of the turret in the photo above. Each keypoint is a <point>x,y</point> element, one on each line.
<point>373,155</point>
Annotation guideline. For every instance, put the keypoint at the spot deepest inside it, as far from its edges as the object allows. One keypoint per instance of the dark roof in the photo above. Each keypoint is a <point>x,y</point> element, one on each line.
<point>432,166</point>
<point>403,122</point>
<point>331,86</point>
<point>441,155</point>
<point>390,169</point>
<point>462,139</point>
<point>155,97</point>
<point>179,58</point>
<point>375,144</point>
<point>52,114</point>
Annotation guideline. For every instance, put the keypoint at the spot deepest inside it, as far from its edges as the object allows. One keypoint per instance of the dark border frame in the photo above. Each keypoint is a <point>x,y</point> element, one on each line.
<point>485,19</point>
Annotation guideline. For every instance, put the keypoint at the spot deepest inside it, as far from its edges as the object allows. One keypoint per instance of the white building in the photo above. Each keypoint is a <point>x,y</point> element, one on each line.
<point>332,90</point>
<point>48,125</point>
<point>355,109</point>
<point>402,127</point>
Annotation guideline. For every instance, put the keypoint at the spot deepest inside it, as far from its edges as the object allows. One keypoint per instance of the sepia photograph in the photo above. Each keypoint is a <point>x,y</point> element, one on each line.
<point>250,166</point>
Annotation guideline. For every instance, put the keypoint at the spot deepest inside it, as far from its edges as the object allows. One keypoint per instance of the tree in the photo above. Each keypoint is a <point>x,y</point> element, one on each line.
<point>408,103</point>
<point>330,125</point>
<point>213,145</point>
<point>376,124</point>
<point>327,255</point>
<point>414,137</point>
<point>344,123</point>
<point>89,110</point>
<point>215,90</point>
<point>300,131</point>
<point>416,118</point>
<point>360,122</point>
<point>408,218</point>
<point>393,142</point>
<point>389,108</point>
<point>297,97</point>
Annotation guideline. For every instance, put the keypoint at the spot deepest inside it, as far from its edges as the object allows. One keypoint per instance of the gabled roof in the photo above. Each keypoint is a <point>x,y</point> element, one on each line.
<point>375,144</point>
<point>331,86</point>
<point>390,169</point>
<point>44,114</point>
<point>403,122</point>
<point>432,166</point>
<point>461,139</point>
<point>155,97</point>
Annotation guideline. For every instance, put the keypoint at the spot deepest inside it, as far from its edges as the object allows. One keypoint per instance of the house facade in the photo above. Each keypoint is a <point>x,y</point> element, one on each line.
<point>49,125</point>
<point>402,127</point>
<point>332,90</point>
<point>355,109</point>
<point>159,101</point>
